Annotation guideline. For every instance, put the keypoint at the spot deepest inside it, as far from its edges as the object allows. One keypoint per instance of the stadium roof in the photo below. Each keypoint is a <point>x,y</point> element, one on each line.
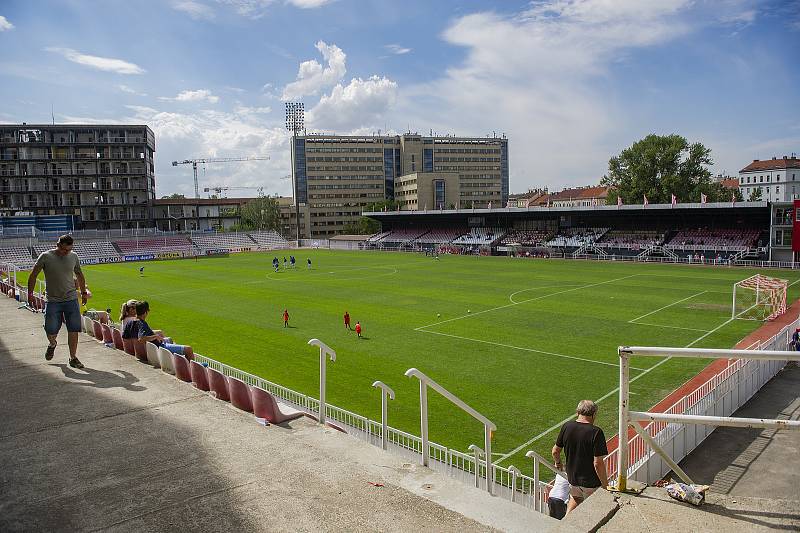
<point>575,209</point>
<point>772,164</point>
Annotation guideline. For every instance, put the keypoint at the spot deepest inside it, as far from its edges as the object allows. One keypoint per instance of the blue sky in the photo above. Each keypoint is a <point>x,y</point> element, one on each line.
<point>570,82</point>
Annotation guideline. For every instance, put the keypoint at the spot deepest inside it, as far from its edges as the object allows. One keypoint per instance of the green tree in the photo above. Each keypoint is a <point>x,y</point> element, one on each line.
<point>363,226</point>
<point>659,166</point>
<point>261,214</point>
<point>174,196</point>
<point>755,194</point>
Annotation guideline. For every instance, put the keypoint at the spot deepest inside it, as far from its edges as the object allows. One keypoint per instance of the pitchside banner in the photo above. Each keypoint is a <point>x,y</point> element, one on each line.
<point>796,227</point>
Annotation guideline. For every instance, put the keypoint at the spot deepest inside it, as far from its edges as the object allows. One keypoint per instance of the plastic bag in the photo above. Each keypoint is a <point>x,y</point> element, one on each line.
<point>694,494</point>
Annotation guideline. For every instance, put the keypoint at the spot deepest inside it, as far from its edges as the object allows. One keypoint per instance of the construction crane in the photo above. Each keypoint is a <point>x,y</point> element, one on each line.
<point>194,162</point>
<point>219,190</point>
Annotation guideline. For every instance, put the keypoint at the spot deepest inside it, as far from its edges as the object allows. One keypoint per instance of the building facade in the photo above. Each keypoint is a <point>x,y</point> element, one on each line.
<point>336,177</point>
<point>102,176</point>
<point>197,214</point>
<point>777,179</point>
<point>592,195</point>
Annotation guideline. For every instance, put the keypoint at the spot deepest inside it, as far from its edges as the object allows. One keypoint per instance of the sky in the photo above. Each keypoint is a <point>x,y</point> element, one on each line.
<point>569,82</point>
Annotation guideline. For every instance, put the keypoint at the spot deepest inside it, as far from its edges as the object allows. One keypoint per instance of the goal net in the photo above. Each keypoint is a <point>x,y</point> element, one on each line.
<point>759,297</point>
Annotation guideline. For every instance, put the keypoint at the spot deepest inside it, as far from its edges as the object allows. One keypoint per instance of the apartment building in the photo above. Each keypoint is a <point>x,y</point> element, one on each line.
<point>100,175</point>
<point>777,179</point>
<point>337,176</point>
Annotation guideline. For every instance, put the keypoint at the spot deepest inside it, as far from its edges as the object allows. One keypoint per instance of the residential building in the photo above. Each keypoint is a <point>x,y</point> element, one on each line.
<point>101,176</point>
<point>526,199</point>
<point>590,195</point>
<point>777,179</point>
<point>337,176</point>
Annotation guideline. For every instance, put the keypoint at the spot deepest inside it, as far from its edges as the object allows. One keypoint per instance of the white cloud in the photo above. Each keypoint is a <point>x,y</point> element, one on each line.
<point>5,25</point>
<point>210,133</point>
<point>546,91</point>
<point>129,90</point>
<point>312,77</point>
<point>196,10</point>
<point>308,4</point>
<point>200,95</point>
<point>246,110</point>
<point>106,64</point>
<point>397,49</point>
<point>254,9</point>
<point>359,104</point>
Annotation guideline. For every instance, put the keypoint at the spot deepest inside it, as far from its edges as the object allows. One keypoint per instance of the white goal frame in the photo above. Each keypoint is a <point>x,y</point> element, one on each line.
<point>770,293</point>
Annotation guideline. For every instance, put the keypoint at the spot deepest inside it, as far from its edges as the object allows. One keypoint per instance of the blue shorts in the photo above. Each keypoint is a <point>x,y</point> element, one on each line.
<point>174,348</point>
<point>57,312</point>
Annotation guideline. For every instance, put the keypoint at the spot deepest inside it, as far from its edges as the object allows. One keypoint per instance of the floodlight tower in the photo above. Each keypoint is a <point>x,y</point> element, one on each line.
<point>295,116</point>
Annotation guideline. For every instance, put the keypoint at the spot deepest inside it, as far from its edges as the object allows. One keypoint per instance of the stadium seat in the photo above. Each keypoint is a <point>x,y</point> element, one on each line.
<point>108,337</point>
<point>117,336</point>
<point>152,354</point>
<point>240,394</point>
<point>218,384</point>
<point>97,328</point>
<point>139,350</point>
<point>199,376</point>
<point>128,346</point>
<point>265,406</point>
<point>181,366</point>
<point>88,328</point>
<point>165,359</point>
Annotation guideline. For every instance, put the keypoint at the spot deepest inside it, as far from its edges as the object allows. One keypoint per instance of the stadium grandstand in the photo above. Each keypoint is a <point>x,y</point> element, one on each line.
<point>92,249</point>
<point>684,232</point>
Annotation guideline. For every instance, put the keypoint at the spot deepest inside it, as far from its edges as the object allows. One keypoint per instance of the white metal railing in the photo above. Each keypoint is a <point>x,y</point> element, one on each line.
<point>508,483</point>
<point>764,362</point>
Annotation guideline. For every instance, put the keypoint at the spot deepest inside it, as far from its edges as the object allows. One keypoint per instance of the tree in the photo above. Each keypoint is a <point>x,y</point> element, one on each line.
<point>261,214</point>
<point>174,196</point>
<point>755,195</point>
<point>659,166</point>
<point>363,226</point>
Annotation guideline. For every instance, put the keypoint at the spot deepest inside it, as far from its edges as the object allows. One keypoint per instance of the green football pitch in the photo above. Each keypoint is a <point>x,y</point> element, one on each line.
<point>521,341</point>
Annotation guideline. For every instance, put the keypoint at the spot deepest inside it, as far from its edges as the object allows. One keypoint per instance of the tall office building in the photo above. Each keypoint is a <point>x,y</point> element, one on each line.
<point>100,176</point>
<point>336,177</point>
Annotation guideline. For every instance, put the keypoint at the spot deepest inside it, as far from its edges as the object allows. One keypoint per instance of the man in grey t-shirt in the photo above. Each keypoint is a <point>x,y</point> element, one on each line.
<point>61,268</point>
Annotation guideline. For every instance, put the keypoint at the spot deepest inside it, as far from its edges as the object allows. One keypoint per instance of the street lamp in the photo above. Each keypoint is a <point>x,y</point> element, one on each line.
<point>295,116</point>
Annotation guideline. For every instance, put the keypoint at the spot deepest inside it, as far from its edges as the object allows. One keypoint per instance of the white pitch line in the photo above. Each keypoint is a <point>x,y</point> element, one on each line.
<point>665,307</point>
<point>421,328</point>
<point>529,350</point>
<point>616,390</point>
<point>511,296</point>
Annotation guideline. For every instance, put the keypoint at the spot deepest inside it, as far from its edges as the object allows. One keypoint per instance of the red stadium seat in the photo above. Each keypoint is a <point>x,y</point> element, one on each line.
<point>129,346</point>
<point>265,406</point>
<point>240,394</point>
<point>119,344</point>
<point>199,376</point>
<point>108,337</point>
<point>218,384</point>
<point>181,366</point>
<point>97,329</point>
<point>139,350</point>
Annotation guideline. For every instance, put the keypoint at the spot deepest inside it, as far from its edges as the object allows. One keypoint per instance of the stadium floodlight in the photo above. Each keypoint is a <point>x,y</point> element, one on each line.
<point>295,121</point>
<point>759,297</point>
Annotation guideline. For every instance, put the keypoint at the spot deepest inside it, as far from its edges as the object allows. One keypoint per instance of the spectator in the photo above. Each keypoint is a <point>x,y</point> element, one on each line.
<point>585,447</point>
<point>61,270</point>
<point>127,313</point>
<point>558,497</point>
<point>146,333</point>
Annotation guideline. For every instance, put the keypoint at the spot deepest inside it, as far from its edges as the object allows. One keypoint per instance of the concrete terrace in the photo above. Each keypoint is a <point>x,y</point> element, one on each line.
<point>125,447</point>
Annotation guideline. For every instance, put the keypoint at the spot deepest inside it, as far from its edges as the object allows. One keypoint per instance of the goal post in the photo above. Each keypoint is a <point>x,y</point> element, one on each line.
<point>759,297</point>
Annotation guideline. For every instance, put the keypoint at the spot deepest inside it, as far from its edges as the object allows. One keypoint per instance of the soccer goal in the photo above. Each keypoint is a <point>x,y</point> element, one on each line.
<point>759,297</point>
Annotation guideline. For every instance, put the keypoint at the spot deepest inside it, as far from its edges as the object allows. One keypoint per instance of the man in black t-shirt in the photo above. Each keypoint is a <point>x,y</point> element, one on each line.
<point>585,447</point>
